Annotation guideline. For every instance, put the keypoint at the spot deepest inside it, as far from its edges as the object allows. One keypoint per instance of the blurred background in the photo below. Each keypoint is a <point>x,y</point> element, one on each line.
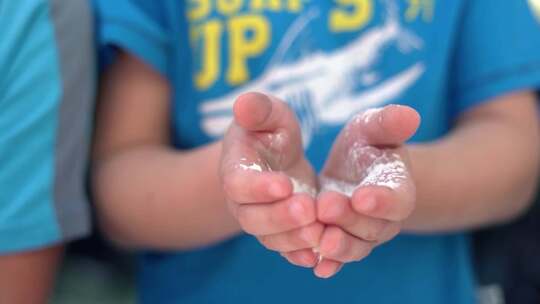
<point>93,272</point>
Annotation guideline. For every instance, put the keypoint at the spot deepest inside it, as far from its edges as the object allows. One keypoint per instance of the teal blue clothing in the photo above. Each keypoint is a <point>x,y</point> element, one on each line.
<point>46,96</point>
<point>328,60</point>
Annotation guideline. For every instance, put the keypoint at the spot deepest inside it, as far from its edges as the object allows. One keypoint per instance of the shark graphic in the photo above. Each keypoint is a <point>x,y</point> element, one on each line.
<point>322,87</point>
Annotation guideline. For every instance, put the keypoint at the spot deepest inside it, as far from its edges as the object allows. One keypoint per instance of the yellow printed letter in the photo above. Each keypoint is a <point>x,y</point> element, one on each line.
<point>294,6</point>
<point>243,46</point>
<point>351,15</point>
<point>198,9</point>
<point>210,48</point>
<point>416,7</point>
<point>229,7</point>
<point>274,5</point>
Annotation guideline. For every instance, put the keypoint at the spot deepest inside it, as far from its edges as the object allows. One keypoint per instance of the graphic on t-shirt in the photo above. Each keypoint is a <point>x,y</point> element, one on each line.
<point>327,88</point>
<point>535,6</point>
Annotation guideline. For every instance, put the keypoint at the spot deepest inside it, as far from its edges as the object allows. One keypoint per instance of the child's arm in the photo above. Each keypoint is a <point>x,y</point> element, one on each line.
<point>484,172</point>
<point>150,195</point>
<point>28,277</point>
<point>147,194</point>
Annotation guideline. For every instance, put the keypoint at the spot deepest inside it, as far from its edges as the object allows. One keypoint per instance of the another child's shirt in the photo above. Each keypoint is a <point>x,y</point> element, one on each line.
<point>328,60</point>
<point>46,96</point>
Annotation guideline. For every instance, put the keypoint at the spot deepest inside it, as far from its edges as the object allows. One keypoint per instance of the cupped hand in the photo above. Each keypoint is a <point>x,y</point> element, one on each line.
<point>269,185</point>
<point>366,186</point>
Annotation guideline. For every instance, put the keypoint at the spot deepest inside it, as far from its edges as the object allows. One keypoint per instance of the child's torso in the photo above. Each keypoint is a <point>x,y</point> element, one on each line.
<point>328,60</point>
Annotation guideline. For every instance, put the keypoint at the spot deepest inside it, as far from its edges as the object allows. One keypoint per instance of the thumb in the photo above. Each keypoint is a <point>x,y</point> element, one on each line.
<point>263,113</point>
<point>388,126</point>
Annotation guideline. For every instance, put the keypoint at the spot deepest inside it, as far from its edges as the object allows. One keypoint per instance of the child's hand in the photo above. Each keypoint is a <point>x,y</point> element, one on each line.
<point>262,164</point>
<point>366,187</point>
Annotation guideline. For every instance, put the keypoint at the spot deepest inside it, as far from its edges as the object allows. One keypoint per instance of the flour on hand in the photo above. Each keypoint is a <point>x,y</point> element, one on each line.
<point>253,166</point>
<point>300,187</point>
<point>386,173</point>
<point>368,115</point>
<point>331,184</point>
<point>368,166</point>
<point>245,164</point>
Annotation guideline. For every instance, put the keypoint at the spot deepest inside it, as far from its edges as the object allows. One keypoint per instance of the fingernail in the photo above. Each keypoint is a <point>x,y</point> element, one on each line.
<point>317,253</point>
<point>369,204</point>
<point>321,275</point>
<point>317,274</point>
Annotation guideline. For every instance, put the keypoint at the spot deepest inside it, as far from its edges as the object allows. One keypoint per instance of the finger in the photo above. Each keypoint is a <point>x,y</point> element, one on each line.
<point>331,206</point>
<point>263,113</point>
<point>335,209</point>
<point>274,125</point>
<point>388,126</point>
<point>301,238</point>
<point>285,215</point>
<point>389,232</point>
<point>249,186</point>
<point>385,203</point>
<point>340,246</point>
<point>327,268</point>
<point>303,258</point>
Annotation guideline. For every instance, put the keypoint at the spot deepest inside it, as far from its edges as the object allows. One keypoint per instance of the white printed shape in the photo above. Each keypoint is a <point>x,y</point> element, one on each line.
<point>322,87</point>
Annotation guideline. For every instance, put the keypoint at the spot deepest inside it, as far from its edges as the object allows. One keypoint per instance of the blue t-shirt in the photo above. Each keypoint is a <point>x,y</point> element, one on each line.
<point>47,80</point>
<point>328,60</point>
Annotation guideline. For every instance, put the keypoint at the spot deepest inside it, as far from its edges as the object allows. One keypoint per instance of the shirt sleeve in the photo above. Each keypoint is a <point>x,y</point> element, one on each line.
<point>496,52</point>
<point>135,26</point>
<point>46,99</point>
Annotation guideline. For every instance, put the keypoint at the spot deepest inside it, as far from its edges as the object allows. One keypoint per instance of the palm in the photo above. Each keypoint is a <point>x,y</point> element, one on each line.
<point>366,187</point>
<point>263,171</point>
<point>357,160</point>
<point>259,142</point>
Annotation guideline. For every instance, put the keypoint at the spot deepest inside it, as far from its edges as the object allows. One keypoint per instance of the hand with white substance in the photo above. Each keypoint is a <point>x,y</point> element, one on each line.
<point>269,185</point>
<point>366,189</point>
